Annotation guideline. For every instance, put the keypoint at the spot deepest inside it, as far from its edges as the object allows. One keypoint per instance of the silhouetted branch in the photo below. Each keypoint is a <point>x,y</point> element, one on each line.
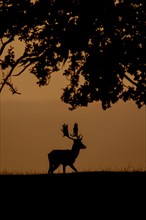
<point>130,80</point>
<point>99,46</point>
<point>18,61</point>
<point>10,73</point>
<point>5,44</point>
<point>13,90</point>
<point>18,74</point>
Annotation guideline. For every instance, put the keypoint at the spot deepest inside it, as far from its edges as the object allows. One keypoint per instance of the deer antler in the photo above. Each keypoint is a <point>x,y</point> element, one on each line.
<point>74,135</point>
<point>75,132</point>
<point>65,131</point>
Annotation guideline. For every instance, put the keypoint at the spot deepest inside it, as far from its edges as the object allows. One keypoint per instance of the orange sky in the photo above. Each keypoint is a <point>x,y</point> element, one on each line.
<point>31,123</point>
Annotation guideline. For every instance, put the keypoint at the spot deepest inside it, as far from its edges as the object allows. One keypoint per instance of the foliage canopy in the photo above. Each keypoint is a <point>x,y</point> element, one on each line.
<point>102,42</point>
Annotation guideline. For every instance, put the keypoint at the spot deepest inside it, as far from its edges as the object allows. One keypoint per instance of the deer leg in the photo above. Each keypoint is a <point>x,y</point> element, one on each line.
<point>72,166</point>
<point>64,168</point>
<point>50,170</point>
<point>50,165</point>
<point>53,168</point>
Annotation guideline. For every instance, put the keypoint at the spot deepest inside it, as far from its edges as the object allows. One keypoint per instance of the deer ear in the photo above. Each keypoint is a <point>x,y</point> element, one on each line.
<point>80,137</point>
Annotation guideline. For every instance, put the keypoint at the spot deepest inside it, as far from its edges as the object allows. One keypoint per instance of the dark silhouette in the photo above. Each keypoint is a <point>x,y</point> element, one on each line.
<point>104,43</point>
<point>66,157</point>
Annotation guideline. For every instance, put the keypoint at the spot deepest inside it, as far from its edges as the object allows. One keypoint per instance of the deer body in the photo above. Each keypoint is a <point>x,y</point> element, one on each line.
<point>65,157</point>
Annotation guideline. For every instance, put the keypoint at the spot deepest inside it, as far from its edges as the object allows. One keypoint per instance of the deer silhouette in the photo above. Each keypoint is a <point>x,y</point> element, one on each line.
<point>66,157</point>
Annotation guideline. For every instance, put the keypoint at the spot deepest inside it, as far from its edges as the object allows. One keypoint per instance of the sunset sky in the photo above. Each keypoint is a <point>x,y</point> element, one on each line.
<point>31,127</point>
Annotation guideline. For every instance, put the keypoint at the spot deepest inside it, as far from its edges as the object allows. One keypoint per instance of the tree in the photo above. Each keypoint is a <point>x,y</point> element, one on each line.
<point>103,43</point>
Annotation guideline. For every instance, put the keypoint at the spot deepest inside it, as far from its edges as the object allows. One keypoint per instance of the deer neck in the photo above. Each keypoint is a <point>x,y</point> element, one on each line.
<point>75,150</point>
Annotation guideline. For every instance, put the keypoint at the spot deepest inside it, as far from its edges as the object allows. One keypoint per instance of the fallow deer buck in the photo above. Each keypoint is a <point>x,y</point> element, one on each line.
<point>66,157</point>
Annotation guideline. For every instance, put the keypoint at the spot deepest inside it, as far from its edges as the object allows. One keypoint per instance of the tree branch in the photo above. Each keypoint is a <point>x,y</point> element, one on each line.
<point>130,80</point>
<point>5,44</point>
<point>31,61</point>
<point>18,74</point>
<point>17,62</point>
<point>14,90</point>
<point>10,73</point>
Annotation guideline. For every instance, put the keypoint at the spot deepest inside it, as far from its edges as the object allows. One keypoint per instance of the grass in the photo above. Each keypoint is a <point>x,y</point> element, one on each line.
<point>72,185</point>
<point>128,169</point>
